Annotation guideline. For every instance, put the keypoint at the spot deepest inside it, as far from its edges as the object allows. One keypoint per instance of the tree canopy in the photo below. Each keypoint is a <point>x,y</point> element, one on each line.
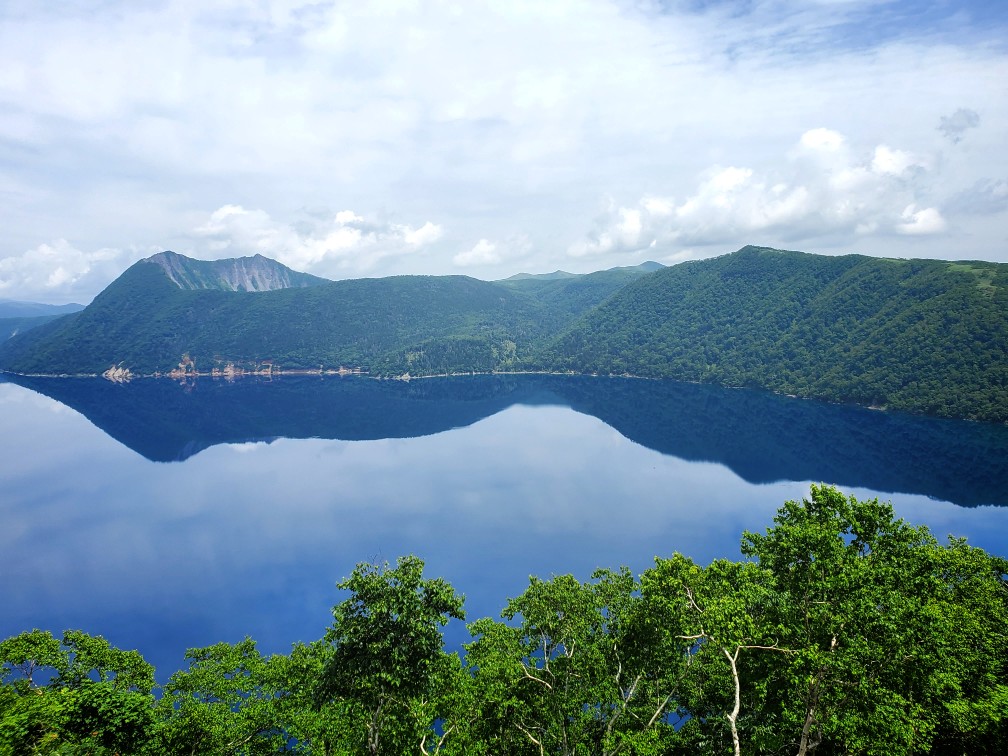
<point>842,630</point>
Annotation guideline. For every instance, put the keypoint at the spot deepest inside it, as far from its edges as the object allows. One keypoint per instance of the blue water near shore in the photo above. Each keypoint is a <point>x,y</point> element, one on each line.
<point>166,517</point>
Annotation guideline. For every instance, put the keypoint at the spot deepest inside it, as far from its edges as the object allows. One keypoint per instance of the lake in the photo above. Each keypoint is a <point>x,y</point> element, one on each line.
<point>166,516</point>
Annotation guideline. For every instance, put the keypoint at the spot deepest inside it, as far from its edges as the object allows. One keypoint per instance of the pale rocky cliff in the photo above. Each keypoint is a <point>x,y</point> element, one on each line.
<point>255,273</point>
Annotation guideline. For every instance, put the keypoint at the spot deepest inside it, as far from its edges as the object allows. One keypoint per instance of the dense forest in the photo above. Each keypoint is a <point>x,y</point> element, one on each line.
<point>842,631</point>
<point>924,336</point>
<point>921,335</point>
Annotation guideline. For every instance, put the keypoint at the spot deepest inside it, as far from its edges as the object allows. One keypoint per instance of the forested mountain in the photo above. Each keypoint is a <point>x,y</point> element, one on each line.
<point>920,335</point>
<point>13,326</point>
<point>146,321</point>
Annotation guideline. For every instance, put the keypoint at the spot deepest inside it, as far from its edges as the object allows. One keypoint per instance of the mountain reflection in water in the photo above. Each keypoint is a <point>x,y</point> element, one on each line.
<point>761,437</point>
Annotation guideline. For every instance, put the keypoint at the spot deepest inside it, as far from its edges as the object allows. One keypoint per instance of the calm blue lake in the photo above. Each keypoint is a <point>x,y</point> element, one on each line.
<point>165,516</point>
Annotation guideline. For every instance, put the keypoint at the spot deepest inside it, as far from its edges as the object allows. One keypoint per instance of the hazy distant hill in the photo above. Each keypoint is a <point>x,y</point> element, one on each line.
<point>18,317</point>
<point>922,335</point>
<point>11,308</point>
<point>645,267</point>
<point>13,326</point>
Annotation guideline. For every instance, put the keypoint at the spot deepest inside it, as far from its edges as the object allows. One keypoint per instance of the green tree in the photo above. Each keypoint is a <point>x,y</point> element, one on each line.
<point>725,612</point>
<point>581,672</point>
<point>896,641</point>
<point>388,654</point>
<point>227,702</point>
<point>97,698</point>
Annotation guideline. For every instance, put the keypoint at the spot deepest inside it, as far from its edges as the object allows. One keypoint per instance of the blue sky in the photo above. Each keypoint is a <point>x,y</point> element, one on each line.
<point>368,139</point>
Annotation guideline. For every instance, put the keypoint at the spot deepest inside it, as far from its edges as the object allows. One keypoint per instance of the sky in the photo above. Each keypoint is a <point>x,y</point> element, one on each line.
<point>375,138</point>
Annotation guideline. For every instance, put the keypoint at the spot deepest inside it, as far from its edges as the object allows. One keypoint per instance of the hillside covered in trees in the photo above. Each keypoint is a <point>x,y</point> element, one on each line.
<point>844,631</point>
<point>924,336</point>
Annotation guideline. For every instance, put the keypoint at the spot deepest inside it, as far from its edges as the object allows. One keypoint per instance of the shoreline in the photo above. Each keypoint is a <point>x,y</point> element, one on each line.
<point>124,376</point>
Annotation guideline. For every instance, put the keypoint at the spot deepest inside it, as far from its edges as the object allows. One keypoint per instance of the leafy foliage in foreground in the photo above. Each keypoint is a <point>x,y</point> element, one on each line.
<point>925,336</point>
<point>846,631</point>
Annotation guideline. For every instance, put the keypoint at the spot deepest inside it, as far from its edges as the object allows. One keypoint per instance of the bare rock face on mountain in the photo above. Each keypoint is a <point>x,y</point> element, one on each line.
<point>256,273</point>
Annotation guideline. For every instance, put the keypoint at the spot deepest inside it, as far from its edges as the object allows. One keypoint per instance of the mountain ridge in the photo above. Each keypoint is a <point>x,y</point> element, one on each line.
<point>15,308</point>
<point>249,274</point>
<point>926,336</point>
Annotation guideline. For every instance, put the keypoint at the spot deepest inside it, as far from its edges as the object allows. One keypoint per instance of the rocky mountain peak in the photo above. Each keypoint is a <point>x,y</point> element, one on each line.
<point>256,273</point>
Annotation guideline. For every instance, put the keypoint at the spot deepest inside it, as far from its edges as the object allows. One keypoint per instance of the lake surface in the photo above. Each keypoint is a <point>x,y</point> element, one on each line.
<point>167,516</point>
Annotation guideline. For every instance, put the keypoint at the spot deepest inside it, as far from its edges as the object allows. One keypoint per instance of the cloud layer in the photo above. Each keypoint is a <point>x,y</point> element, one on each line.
<point>485,137</point>
<point>326,243</point>
<point>821,187</point>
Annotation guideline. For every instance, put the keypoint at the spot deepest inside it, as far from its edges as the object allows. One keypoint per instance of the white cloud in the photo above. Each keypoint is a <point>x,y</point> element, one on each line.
<point>336,244</point>
<point>122,124</point>
<point>852,192</point>
<point>428,233</point>
<point>893,162</point>
<point>59,272</point>
<point>822,139</point>
<point>925,221</point>
<point>483,253</point>
<point>487,255</point>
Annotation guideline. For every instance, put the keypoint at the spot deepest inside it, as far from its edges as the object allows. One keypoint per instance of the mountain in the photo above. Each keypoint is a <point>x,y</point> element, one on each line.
<point>255,273</point>
<point>555,275</point>
<point>169,309</point>
<point>13,326</point>
<point>925,336</point>
<point>12,308</point>
<point>920,335</point>
<point>645,267</point>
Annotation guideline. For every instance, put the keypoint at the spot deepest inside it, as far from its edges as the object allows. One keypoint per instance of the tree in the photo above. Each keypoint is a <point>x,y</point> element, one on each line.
<point>724,614</point>
<point>315,729</point>
<point>388,652</point>
<point>897,642</point>
<point>97,698</point>
<point>581,669</point>
<point>27,653</point>
<point>227,702</point>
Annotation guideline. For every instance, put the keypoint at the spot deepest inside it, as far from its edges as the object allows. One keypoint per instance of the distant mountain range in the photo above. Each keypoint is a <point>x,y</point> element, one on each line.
<point>927,336</point>
<point>17,317</point>
<point>12,308</point>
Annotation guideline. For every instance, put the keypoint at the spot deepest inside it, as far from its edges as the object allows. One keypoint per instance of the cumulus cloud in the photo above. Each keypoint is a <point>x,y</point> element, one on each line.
<point>327,243</point>
<point>621,228</point>
<point>127,123</point>
<point>488,254</point>
<point>957,124</point>
<point>483,253</point>
<point>57,272</point>
<point>924,221</point>
<point>823,186</point>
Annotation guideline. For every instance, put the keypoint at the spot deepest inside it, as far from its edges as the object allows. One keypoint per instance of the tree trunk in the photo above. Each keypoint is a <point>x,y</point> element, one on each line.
<point>733,715</point>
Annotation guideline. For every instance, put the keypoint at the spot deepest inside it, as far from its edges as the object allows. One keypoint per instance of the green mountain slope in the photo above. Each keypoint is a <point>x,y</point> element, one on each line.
<point>921,335</point>
<point>15,325</point>
<point>168,306</point>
